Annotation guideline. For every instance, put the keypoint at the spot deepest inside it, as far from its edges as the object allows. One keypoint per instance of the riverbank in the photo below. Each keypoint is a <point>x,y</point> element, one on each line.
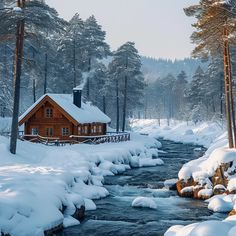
<point>157,207</point>
<point>211,176</point>
<point>203,134</point>
<point>42,187</point>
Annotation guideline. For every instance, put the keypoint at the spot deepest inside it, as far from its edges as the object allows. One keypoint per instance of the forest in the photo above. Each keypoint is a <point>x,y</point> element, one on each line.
<point>60,55</point>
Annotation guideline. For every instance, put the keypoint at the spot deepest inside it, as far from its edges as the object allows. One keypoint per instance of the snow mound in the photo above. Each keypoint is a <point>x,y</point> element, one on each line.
<point>232,232</point>
<point>69,221</point>
<point>173,230</point>
<point>211,228</point>
<point>217,204</point>
<point>144,202</point>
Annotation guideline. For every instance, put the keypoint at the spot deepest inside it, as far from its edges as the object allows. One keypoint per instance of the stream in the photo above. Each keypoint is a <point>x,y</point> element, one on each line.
<point>116,217</point>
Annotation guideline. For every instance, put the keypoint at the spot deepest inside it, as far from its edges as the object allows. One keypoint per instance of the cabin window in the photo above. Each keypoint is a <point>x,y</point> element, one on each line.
<point>100,129</point>
<point>34,131</point>
<point>93,129</point>
<point>48,113</point>
<point>85,131</point>
<point>49,132</point>
<point>65,131</point>
<point>79,130</point>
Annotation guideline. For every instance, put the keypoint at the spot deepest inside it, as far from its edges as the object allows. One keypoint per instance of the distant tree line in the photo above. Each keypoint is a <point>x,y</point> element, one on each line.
<point>198,98</point>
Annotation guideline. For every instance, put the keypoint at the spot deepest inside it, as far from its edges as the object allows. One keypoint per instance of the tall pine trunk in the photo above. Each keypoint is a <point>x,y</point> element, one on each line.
<point>104,104</point>
<point>88,82</point>
<point>74,63</point>
<point>17,77</point>
<point>227,91</point>
<point>117,107</point>
<point>45,74</point>
<point>34,91</point>
<point>231,97</point>
<point>125,104</point>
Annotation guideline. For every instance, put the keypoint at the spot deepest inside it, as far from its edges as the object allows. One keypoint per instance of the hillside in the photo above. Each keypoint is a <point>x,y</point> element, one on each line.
<point>154,68</point>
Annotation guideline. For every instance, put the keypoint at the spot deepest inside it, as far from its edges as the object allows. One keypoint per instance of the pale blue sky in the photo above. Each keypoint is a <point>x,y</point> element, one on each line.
<point>158,27</point>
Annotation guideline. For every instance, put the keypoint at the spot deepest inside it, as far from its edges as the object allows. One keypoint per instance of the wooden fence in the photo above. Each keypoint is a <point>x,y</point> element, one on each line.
<point>110,137</point>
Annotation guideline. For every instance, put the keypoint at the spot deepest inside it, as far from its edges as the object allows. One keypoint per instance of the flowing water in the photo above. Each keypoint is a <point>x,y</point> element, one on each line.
<point>116,217</point>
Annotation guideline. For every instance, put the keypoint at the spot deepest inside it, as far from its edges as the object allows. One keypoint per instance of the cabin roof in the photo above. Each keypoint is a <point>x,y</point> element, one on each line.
<point>86,114</point>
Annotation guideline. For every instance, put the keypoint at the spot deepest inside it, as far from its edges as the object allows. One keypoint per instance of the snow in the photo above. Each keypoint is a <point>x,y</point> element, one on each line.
<point>170,182</point>
<point>70,221</point>
<point>40,181</point>
<point>206,193</point>
<point>17,9</point>
<point>214,137</point>
<point>5,125</point>
<point>144,202</point>
<point>86,114</point>
<point>210,228</point>
<point>186,132</point>
<point>187,190</point>
<point>173,230</point>
<point>218,204</point>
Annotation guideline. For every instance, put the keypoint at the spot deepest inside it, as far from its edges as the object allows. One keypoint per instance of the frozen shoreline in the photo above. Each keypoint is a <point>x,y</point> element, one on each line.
<point>42,186</point>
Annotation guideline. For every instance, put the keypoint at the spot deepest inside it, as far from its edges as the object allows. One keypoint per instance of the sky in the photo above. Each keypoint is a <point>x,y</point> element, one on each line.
<point>159,28</point>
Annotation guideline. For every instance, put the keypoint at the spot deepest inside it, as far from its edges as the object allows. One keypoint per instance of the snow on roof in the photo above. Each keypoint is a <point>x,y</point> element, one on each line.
<point>86,114</point>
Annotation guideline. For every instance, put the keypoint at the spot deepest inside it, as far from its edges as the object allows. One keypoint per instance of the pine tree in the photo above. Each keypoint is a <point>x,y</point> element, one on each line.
<point>71,46</point>
<point>215,30</point>
<point>168,83</point>
<point>179,91</point>
<point>22,22</point>
<point>127,78</point>
<point>94,47</point>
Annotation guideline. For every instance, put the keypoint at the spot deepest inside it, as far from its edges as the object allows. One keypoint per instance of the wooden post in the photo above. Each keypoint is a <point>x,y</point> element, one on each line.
<point>17,77</point>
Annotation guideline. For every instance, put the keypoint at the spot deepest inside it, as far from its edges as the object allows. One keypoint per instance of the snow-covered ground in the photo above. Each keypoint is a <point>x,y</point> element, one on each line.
<point>41,181</point>
<point>214,137</point>
<point>186,132</point>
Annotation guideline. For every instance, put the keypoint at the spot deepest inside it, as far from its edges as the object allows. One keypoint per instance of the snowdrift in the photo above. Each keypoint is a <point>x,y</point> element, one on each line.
<point>42,187</point>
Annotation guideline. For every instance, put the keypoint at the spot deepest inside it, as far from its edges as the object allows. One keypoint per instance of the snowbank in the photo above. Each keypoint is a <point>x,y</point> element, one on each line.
<point>42,186</point>
<point>212,174</point>
<point>202,134</point>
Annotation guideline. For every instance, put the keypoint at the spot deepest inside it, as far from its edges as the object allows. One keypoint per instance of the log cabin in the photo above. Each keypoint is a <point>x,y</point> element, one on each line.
<point>61,116</point>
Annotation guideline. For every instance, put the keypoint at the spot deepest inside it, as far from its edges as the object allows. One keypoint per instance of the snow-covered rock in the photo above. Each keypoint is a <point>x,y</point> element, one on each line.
<point>217,204</point>
<point>144,202</point>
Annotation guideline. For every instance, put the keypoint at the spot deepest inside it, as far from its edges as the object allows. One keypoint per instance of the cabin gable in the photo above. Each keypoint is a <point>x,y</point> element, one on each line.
<point>39,113</point>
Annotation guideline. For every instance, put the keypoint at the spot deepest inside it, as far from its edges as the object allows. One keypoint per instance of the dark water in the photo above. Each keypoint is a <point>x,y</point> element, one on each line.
<point>115,216</point>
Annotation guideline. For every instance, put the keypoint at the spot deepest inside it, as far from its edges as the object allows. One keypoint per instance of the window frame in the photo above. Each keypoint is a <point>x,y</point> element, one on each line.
<point>67,131</point>
<point>34,129</point>
<point>49,131</point>
<point>100,129</point>
<point>48,112</point>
